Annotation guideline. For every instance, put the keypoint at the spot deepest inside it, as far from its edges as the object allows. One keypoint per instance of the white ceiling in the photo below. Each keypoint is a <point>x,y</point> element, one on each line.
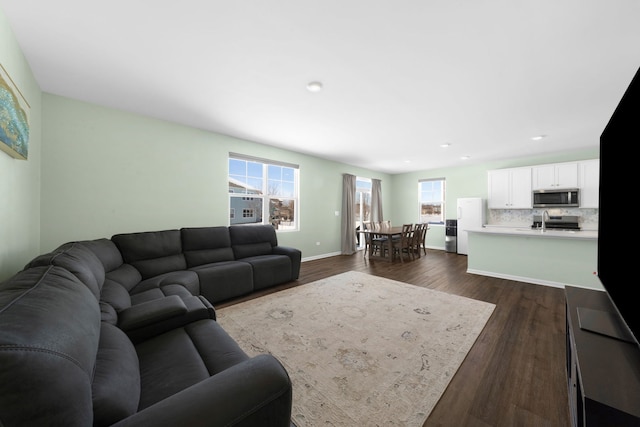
<point>400,77</point>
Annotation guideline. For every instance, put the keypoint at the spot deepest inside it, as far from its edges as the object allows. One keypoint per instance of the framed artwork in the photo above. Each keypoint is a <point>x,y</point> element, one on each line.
<point>14,118</point>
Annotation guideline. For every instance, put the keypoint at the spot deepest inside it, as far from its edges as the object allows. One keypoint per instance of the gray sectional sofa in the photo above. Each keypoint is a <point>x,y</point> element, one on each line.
<point>122,331</point>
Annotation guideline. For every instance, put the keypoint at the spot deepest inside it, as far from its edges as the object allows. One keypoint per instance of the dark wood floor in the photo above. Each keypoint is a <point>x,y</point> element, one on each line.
<point>515,373</point>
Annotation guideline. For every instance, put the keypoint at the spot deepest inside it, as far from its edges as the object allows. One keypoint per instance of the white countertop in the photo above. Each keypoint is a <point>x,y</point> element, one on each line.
<point>529,232</point>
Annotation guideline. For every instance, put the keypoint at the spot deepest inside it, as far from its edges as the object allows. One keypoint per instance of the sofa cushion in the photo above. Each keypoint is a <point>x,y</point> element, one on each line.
<point>152,252</point>
<point>106,251</point>
<point>252,240</point>
<point>126,275</point>
<point>77,259</point>
<point>223,280</point>
<point>243,234</point>
<point>269,270</point>
<point>161,292</point>
<point>185,278</point>
<point>115,295</point>
<point>49,333</point>
<point>205,245</point>
<point>251,250</point>
<point>108,314</point>
<point>178,359</point>
<point>116,382</point>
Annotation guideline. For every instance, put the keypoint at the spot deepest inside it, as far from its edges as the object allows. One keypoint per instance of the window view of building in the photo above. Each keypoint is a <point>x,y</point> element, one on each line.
<point>265,191</point>
<point>431,194</point>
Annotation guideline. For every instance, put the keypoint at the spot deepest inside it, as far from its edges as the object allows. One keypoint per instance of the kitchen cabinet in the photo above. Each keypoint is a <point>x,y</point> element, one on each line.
<point>589,183</point>
<point>555,175</point>
<point>510,188</point>
<point>552,258</point>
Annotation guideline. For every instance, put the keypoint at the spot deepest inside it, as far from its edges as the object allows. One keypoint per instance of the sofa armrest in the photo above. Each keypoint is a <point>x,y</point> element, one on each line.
<point>255,392</point>
<point>294,254</point>
<point>147,313</point>
<point>151,318</point>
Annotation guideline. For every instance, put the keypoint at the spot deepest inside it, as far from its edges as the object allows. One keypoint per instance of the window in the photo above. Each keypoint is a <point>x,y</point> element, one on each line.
<point>431,200</point>
<point>362,205</point>
<point>265,191</point>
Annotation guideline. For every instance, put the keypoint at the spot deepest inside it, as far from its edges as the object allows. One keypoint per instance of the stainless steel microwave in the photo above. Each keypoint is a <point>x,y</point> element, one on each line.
<point>554,198</point>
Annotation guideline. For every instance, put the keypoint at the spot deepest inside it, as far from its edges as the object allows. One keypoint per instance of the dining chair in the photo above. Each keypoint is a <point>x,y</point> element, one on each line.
<point>403,244</point>
<point>420,234</point>
<point>373,243</point>
<point>425,229</point>
<point>368,227</point>
<point>378,241</point>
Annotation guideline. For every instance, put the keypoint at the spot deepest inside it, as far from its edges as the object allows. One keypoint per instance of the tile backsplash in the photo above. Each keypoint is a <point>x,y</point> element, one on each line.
<point>588,218</point>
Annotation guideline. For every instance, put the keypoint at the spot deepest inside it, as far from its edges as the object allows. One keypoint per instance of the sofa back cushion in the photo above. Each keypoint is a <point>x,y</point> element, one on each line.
<point>78,260</point>
<point>206,245</point>
<point>106,251</point>
<point>114,266</point>
<point>49,334</point>
<point>252,240</point>
<point>116,383</point>
<point>152,252</point>
<point>126,275</point>
<point>115,295</point>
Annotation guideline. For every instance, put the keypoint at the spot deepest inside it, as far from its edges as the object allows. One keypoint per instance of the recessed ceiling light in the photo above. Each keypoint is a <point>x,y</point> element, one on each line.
<point>465,157</point>
<point>314,86</point>
<point>539,137</point>
<point>445,145</point>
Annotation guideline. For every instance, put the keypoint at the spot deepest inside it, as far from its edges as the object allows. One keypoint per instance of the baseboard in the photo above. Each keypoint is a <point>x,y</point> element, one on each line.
<point>311,258</point>
<point>517,278</point>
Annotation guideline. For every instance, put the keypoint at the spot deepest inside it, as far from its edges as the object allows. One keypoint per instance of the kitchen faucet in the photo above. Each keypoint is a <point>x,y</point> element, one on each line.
<point>544,214</point>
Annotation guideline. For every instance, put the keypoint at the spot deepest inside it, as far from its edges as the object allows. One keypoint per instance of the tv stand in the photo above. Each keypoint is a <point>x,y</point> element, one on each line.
<point>603,322</point>
<point>603,371</point>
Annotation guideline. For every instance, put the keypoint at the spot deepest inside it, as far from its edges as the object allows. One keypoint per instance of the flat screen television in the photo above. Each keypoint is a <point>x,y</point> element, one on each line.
<point>617,251</point>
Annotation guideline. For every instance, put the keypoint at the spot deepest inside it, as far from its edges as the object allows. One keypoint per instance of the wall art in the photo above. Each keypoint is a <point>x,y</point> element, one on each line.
<point>14,118</point>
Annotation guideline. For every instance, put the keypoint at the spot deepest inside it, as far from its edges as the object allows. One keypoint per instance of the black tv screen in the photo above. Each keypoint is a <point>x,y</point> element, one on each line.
<point>616,253</point>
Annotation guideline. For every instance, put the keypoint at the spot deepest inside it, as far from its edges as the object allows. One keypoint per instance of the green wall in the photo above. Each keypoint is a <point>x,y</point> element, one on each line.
<point>19,179</point>
<point>107,171</point>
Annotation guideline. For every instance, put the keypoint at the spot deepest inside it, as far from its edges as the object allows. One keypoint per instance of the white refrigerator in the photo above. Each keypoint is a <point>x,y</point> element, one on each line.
<point>471,214</point>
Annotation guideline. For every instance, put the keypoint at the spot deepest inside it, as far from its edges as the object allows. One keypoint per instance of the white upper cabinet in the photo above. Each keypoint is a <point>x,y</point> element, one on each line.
<point>589,180</point>
<point>556,175</point>
<point>510,188</point>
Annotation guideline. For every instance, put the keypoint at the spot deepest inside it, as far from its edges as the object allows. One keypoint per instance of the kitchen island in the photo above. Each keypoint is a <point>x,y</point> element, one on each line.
<point>553,257</point>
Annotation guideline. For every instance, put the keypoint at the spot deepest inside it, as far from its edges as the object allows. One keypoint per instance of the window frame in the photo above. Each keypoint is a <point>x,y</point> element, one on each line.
<point>259,191</point>
<point>441,201</point>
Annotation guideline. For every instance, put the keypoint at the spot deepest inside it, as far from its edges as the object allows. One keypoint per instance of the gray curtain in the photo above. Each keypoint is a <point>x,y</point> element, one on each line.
<point>376,200</point>
<point>348,226</point>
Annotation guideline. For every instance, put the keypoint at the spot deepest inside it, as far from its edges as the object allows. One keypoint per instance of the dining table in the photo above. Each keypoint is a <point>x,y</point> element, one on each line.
<point>389,233</point>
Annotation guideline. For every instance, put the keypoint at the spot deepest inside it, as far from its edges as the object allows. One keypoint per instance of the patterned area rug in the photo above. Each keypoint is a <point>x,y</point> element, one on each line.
<point>361,350</point>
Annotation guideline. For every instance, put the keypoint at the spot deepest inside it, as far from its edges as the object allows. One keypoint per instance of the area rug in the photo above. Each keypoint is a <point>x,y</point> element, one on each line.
<point>361,350</point>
